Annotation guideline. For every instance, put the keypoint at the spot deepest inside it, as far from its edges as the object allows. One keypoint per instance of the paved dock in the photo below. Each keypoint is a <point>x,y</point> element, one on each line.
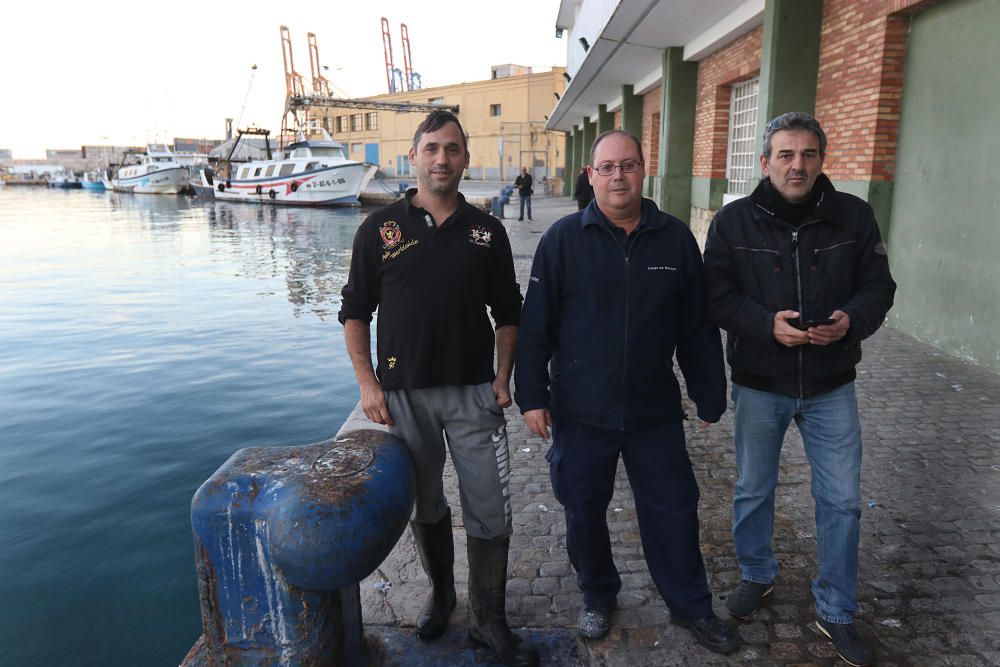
<point>930,533</point>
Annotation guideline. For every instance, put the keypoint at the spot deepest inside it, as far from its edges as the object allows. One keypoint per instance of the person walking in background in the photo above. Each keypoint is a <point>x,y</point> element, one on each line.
<point>584,191</point>
<point>798,276</point>
<point>523,183</point>
<point>615,289</point>
<point>431,264</point>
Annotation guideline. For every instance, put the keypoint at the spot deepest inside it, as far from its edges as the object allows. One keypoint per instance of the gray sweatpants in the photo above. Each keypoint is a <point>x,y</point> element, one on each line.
<point>470,421</point>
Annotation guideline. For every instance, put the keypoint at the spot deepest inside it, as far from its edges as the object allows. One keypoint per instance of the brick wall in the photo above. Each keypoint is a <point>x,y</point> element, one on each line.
<point>651,104</point>
<point>736,62</point>
<point>860,84</point>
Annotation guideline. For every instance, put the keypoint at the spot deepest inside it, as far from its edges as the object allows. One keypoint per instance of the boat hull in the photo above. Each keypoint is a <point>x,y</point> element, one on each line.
<point>339,185</point>
<point>95,186</point>
<point>163,182</point>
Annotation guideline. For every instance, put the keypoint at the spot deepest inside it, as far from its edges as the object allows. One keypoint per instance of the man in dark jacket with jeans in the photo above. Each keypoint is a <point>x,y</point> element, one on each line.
<point>615,289</point>
<point>798,276</point>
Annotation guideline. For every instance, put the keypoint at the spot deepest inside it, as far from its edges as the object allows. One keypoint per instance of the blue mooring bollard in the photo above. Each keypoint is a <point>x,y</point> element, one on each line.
<point>282,537</point>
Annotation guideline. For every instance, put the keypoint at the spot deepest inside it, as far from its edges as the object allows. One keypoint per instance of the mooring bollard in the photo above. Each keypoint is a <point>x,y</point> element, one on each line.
<point>282,537</point>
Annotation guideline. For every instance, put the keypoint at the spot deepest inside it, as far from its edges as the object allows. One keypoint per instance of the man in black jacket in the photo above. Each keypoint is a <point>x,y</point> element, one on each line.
<point>524,183</point>
<point>584,191</point>
<point>431,264</point>
<point>615,289</point>
<point>798,276</point>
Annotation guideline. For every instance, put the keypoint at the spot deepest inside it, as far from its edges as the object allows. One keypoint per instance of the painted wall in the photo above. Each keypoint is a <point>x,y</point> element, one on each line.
<point>524,102</point>
<point>944,234</point>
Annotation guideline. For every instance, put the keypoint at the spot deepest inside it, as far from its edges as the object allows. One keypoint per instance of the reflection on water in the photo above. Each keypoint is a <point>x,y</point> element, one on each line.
<point>144,339</point>
<point>299,244</point>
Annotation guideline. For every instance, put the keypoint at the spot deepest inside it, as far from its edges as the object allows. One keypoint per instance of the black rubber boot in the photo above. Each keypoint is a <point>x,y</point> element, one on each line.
<point>488,603</point>
<point>436,549</point>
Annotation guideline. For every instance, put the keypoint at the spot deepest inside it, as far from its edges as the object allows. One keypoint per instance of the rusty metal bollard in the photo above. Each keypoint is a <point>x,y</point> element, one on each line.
<point>282,537</point>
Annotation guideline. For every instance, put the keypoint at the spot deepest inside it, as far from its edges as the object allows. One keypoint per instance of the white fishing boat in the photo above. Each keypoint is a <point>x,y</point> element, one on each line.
<point>157,172</point>
<point>311,173</point>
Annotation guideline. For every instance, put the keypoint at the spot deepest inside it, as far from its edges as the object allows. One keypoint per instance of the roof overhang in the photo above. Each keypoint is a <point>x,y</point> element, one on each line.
<point>629,48</point>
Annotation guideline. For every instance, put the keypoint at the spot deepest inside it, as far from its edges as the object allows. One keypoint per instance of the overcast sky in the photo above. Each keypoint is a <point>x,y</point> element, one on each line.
<point>127,72</point>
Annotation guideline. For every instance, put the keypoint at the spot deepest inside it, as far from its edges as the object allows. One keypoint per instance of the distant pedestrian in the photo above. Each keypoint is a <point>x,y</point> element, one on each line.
<point>798,276</point>
<point>584,191</point>
<point>615,290</point>
<point>431,264</point>
<point>523,184</point>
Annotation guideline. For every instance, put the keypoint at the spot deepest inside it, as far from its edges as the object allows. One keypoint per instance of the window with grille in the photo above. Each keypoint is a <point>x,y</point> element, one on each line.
<point>341,124</point>
<point>356,122</point>
<point>494,109</point>
<point>743,150</point>
<point>371,120</point>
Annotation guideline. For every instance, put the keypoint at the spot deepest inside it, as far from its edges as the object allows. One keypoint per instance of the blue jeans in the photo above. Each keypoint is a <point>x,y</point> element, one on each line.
<point>525,199</point>
<point>831,433</point>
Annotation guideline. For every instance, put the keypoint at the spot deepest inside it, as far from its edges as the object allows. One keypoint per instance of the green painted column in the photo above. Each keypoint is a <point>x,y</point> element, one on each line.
<point>589,134</point>
<point>631,111</point>
<point>568,170</point>
<point>789,60</point>
<point>605,119</point>
<point>680,93</point>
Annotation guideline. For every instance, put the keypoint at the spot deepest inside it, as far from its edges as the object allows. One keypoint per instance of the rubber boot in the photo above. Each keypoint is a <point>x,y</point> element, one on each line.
<point>436,549</point>
<point>488,603</point>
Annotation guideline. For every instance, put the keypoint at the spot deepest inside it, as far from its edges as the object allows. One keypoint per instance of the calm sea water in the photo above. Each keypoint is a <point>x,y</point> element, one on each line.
<point>144,339</point>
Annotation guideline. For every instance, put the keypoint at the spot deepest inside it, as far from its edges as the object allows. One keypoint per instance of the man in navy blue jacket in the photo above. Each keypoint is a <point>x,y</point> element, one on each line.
<point>615,289</point>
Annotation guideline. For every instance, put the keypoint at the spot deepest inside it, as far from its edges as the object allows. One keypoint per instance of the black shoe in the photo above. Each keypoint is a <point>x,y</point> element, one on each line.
<point>487,603</point>
<point>437,555</point>
<point>594,622</point>
<point>712,632</point>
<point>850,646</point>
<point>520,219</point>
<point>746,598</point>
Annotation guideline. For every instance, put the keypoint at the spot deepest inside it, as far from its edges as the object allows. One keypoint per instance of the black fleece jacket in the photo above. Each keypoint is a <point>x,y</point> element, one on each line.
<point>602,320</point>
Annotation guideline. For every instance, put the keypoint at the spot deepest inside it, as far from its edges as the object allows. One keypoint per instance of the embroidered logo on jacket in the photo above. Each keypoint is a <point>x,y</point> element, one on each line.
<point>391,236</point>
<point>480,235</point>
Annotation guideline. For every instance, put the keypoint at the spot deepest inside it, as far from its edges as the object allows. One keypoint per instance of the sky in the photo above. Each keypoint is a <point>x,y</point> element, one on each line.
<point>130,73</point>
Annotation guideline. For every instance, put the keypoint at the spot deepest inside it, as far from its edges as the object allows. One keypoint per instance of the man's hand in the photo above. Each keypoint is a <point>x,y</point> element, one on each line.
<point>830,333</point>
<point>784,332</point>
<point>501,390</point>
<point>373,404</point>
<point>702,424</point>
<point>538,422</point>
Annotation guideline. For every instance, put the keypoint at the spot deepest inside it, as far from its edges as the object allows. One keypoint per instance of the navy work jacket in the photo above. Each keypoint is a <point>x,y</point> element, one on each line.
<point>601,322</point>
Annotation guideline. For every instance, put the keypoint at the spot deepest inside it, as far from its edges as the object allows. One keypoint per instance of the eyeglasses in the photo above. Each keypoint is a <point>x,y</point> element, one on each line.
<point>627,167</point>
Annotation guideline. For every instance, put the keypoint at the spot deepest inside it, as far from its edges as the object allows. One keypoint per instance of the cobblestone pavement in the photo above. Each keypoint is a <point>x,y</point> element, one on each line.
<point>930,542</point>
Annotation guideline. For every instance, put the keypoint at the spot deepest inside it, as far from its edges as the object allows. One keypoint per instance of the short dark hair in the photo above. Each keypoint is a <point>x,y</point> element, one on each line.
<point>603,135</point>
<point>794,120</point>
<point>435,121</point>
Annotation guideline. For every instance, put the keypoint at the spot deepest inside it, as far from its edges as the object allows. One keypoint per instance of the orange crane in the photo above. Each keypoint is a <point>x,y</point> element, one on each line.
<point>294,87</point>
<point>321,86</point>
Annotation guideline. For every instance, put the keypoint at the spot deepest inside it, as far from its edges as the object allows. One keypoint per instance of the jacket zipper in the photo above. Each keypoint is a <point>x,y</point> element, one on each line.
<point>798,290</point>
<point>625,256</point>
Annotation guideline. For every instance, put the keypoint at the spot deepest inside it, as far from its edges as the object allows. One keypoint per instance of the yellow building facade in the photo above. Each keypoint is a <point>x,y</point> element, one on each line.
<point>504,118</point>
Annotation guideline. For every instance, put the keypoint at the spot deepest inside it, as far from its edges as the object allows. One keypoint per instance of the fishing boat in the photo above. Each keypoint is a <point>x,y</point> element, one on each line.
<point>202,183</point>
<point>157,172</point>
<point>66,180</point>
<point>93,180</point>
<point>309,173</point>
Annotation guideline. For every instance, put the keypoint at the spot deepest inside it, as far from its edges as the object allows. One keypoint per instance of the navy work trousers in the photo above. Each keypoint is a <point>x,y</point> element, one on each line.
<point>583,462</point>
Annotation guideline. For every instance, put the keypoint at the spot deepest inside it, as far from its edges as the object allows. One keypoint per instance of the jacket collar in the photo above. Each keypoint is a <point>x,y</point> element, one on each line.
<point>650,217</point>
<point>826,206</point>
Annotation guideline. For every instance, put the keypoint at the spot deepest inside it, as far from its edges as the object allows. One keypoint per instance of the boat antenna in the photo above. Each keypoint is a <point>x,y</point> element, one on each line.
<point>253,70</point>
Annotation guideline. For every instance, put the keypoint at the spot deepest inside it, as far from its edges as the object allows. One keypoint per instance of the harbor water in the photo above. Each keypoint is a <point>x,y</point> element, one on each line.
<point>144,339</point>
